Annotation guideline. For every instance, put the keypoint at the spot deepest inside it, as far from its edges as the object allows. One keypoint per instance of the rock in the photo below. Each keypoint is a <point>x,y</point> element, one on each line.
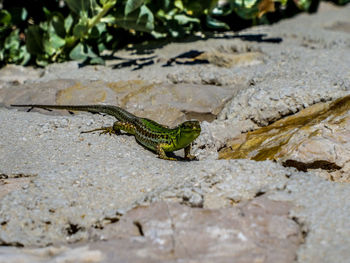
<point>316,137</point>
<point>227,60</point>
<point>214,136</point>
<point>168,104</point>
<point>9,185</point>
<point>18,74</point>
<point>83,180</point>
<point>322,211</point>
<point>61,254</point>
<point>226,57</point>
<point>169,232</point>
<point>165,232</point>
<point>43,93</point>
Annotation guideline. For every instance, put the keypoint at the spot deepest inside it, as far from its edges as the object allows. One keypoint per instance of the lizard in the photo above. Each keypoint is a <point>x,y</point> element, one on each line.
<point>152,135</point>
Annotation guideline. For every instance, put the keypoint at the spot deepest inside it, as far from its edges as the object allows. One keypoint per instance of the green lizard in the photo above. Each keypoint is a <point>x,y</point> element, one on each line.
<point>150,134</point>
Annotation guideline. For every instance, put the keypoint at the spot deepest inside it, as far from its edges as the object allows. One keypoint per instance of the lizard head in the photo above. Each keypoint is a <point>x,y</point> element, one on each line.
<point>190,130</point>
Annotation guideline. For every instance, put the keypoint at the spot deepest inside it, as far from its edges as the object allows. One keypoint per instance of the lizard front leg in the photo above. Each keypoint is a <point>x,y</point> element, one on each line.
<point>188,154</point>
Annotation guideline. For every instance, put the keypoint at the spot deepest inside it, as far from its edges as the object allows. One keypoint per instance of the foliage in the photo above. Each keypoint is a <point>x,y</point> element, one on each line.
<point>82,29</point>
<point>12,47</point>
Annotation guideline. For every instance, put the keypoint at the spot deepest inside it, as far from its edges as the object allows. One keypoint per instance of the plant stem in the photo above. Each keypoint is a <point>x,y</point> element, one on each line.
<point>72,40</point>
<point>96,19</point>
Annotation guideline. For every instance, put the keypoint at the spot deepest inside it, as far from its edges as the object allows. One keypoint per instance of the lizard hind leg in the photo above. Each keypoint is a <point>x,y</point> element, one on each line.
<point>124,126</point>
<point>116,128</point>
<point>161,152</point>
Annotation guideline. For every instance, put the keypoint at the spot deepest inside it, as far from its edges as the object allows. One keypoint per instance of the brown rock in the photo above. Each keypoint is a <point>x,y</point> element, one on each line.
<point>228,60</point>
<point>316,137</point>
<point>168,104</point>
<point>258,231</point>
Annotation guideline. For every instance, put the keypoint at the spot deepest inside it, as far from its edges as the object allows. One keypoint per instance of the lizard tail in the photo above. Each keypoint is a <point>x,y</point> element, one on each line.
<point>115,111</point>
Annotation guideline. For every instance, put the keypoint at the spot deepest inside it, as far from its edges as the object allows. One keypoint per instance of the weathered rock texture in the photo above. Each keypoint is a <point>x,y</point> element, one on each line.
<point>316,137</point>
<point>169,232</point>
<point>166,103</point>
<point>82,181</point>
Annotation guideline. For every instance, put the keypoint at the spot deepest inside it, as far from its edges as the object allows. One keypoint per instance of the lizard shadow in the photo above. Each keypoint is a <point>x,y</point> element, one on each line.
<point>168,154</point>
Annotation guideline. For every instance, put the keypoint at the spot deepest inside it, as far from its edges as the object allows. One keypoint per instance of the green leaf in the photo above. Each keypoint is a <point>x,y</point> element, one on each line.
<point>84,8</point>
<point>80,29</point>
<point>303,4</point>
<point>166,4</point>
<point>81,52</point>
<point>78,53</point>
<point>101,47</point>
<point>222,10</point>
<point>68,22</point>
<point>246,9</point>
<point>162,14</point>
<point>5,17</point>
<point>141,20</point>
<point>47,12</point>
<point>146,18</point>
<point>12,51</point>
<point>25,56</point>
<point>12,41</point>
<point>179,4</point>
<point>97,60</point>
<point>248,4</point>
<point>24,14</point>
<point>158,35</point>
<point>95,33</point>
<point>57,21</point>
<point>41,61</point>
<point>34,40</point>
<point>132,5</point>
<point>52,43</point>
<point>216,24</point>
<point>183,19</point>
<point>101,27</point>
<point>109,19</point>
<point>48,48</point>
<point>78,6</point>
<point>57,41</point>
